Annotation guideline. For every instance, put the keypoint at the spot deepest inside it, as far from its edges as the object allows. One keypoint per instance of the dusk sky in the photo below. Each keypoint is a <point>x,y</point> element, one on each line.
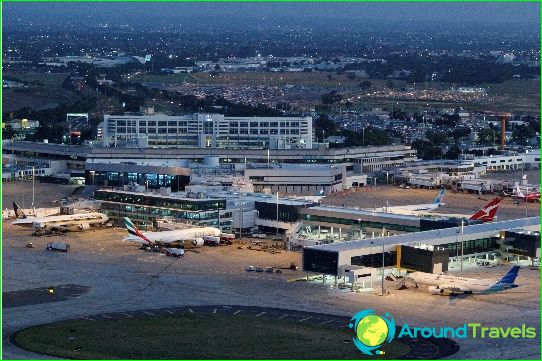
<point>167,13</point>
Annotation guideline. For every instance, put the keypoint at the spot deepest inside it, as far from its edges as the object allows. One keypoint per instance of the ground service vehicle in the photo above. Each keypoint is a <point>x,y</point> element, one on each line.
<point>211,240</point>
<point>57,246</point>
<point>175,252</point>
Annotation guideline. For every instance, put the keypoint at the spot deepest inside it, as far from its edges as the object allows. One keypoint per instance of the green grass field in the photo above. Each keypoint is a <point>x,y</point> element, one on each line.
<point>49,80</point>
<point>195,337</point>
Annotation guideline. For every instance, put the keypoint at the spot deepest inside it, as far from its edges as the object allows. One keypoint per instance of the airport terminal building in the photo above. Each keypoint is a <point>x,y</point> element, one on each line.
<point>426,251</point>
<point>146,208</point>
<point>207,131</point>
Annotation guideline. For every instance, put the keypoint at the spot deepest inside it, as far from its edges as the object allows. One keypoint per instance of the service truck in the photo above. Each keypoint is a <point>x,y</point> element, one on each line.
<point>175,252</point>
<point>211,240</point>
<point>57,246</point>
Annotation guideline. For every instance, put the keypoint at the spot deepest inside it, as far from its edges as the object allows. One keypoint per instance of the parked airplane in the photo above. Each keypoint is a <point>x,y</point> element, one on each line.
<point>529,197</point>
<point>68,222</point>
<point>439,283</point>
<point>415,207</point>
<point>194,235</point>
<point>485,214</point>
<point>19,212</point>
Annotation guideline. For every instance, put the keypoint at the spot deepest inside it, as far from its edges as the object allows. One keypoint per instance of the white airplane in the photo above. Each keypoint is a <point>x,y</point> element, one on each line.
<point>18,212</point>
<point>529,197</point>
<point>485,214</point>
<point>439,283</point>
<point>68,222</point>
<point>408,209</point>
<point>196,236</point>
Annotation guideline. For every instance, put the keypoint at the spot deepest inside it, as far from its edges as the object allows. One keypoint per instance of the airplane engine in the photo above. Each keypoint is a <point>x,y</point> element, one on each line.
<point>38,224</point>
<point>83,226</point>
<point>435,290</point>
<point>198,242</point>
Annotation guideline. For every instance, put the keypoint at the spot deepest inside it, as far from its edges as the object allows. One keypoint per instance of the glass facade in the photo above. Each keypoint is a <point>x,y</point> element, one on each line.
<point>471,246</point>
<point>320,261</point>
<point>151,180</point>
<point>147,208</point>
<point>375,260</point>
<point>364,224</point>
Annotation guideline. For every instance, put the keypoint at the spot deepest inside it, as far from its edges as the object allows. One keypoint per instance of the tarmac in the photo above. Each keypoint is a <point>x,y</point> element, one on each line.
<point>117,277</point>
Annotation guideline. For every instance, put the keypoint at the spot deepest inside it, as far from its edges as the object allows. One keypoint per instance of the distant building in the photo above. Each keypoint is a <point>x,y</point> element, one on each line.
<point>336,139</point>
<point>207,131</point>
<point>22,127</point>
<point>183,69</point>
<point>472,90</point>
<point>11,84</point>
<point>297,179</point>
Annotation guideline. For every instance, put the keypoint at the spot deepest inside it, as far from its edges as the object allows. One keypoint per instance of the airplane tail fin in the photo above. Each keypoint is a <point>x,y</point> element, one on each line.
<point>438,199</point>
<point>510,276</point>
<point>132,229</point>
<point>487,213</point>
<point>19,214</point>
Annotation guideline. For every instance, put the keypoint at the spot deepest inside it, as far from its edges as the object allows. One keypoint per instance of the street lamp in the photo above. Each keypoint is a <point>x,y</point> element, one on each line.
<point>277,230</point>
<point>359,225</point>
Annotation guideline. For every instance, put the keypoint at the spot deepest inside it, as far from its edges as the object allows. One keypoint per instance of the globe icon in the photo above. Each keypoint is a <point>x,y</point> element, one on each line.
<point>372,330</point>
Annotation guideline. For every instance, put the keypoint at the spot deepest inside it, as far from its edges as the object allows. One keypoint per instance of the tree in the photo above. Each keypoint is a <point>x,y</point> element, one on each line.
<point>453,152</point>
<point>364,85</point>
<point>426,149</point>
<point>435,138</point>
<point>459,133</point>
<point>323,123</point>
<point>450,121</point>
<point>331,97</point>
<point>8,132</point>
<point>487,136</point>
<point>522,134</point>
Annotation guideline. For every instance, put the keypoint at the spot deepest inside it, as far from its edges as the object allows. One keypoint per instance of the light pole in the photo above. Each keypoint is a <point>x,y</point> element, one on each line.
<point>277,230</point>
<point>383,263</point>
<point>462,233</point>
<point>359,221</point>
<point>33,177</point>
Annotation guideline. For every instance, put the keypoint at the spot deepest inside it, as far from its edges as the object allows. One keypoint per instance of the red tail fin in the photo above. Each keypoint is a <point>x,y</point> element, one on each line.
<point>487,213</point>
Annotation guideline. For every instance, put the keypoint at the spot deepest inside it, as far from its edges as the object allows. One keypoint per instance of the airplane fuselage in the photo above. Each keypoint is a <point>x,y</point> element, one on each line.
<point>64,222</point>
<point>175,235</point>
<point>457,284</point>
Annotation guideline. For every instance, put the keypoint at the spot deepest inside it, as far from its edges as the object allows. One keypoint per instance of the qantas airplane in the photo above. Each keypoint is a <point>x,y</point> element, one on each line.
<point>439,283</point>
<point>529,197</point>
<point>68,222</point>
<point>196,236</point>
<point>485,214</point>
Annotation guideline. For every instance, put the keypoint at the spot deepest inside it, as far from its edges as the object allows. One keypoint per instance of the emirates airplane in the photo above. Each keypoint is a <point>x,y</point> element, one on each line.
<point>196,235</point>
